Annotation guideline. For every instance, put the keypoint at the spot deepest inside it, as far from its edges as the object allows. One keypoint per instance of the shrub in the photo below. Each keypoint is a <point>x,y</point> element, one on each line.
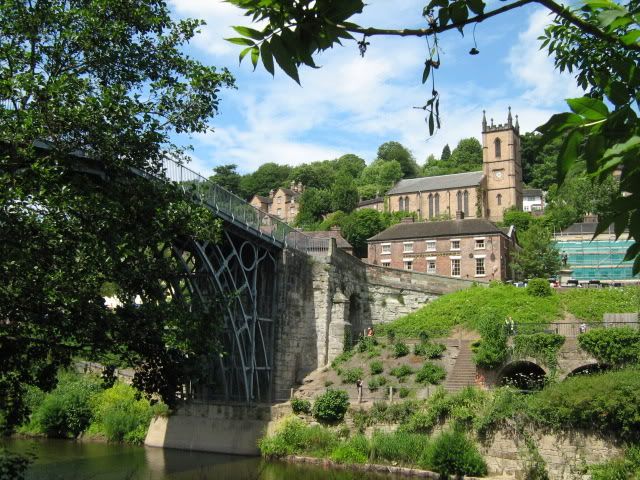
<point>354,450</point>
<point>403,447</point>
<point>539,287</point>
<point>66,411</point>
<point>492,349</point>
<point>331,406</point>
<point>13,466</point>
<point>299,405</point>
<point>430,373</point>
<point>293,436</point>
<point>342,358</point>
<point>366,344</point>
<point>121,415</point>
<point>429,350</point>
<point>402,372</point>
<point>404,392</point>
<point>400,350</point>
<point>543,347</point>
<point>452,453</point>
<point>618,468</point>
<point>376,367</point>
<point>377,382</point>
<point>613,346</point>
<point>352,375</point>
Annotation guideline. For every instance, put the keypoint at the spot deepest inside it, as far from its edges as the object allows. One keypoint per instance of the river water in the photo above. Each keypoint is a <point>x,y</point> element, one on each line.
<point>68,460</point>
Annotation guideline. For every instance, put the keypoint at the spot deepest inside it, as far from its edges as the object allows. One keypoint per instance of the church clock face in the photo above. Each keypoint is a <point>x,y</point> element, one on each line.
<point>498,174</point>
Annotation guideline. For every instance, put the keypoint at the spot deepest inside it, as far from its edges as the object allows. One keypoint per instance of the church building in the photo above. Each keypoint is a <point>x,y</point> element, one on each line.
<point>486,193</point>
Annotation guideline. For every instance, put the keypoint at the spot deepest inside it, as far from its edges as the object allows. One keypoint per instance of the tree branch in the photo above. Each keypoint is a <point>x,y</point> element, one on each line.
<point>559,10</point>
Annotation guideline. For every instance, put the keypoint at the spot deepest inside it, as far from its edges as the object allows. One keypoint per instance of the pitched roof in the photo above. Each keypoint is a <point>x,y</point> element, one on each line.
<point>371,201</point>
<point>340,240</point>
<point>439,182</point>
<point>289,192</point>
<point>263,199</point>
<point>532,192</point>
<point>446,228</point>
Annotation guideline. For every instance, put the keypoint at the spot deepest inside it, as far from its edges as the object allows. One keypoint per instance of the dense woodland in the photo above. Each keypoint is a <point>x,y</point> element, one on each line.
<point>333,188</point>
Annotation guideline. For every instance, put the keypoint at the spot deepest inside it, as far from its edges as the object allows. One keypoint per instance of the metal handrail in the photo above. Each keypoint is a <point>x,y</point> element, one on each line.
<point>238,211</point>
<point>567,329</point>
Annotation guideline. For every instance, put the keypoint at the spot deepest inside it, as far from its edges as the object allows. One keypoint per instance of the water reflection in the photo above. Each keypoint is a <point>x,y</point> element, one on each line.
<point>67,460</point>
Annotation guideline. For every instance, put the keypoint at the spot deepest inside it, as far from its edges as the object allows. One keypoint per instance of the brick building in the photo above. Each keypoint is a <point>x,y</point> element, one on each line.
<point>473,249</point>
<point>282,203</point>
<point>486,193</point>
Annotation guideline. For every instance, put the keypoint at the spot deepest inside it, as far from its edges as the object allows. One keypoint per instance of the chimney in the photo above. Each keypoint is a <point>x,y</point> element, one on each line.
<point>459,215</point>
<point>272,192</point>
<point>335,228</point>
<point>407,220</point>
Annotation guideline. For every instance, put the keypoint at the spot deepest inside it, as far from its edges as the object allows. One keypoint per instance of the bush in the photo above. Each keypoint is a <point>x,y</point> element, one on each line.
<point>429,350</point>
<point>402,372</point>
<point>354,450</point>
<point>299,405</point>
<point>376,367</point>
<point>612,346</point>
<point>590,304</point>
<point>402,447</point>
<point>400,350</point>
<point>331,406</point>
<point>539,287</point>
<point>452,453</point>
<point>366,344</point>
<point>120,414</point>
<point>66,411</point>
<point>293,437</point>
<point>431,373</point>
<point>404,392</point>
<point>619,468</point>
<point>492,349</point>
<point>376,382</point>
<point>13,466</point>
<point>543,347</point>
<point>352,375</point>
<point>342,358</point>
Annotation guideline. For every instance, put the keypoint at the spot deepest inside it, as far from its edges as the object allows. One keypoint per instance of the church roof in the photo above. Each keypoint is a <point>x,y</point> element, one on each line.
<point>439,182</point>
<point>446,228</point>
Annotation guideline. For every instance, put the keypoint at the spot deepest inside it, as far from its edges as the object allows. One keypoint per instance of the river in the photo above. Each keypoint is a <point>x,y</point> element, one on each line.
<point>68,460</point>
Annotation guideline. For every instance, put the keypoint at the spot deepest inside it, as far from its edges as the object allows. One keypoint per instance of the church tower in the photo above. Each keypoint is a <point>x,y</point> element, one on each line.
<point>502,167</point>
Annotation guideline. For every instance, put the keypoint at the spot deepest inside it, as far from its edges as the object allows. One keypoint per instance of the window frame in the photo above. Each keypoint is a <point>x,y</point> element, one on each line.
<point>479,239</point>
<point>451,247</point>
<point>459,260</point>
<point>409,262</point>
<point>404,247</point>
<point>382,248</point>
<point>435,265</point>
<point>429,242</point>
<point>484,265</point>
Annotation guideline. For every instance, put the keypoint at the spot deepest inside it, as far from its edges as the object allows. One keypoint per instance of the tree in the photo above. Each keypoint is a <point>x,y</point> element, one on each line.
<point>446,153</point>
<point>268,176</point>
<point>390,151</point>
<point>344,194</point>
<point>314,203</point>
<point>521,220</point>
<point>382,174</point>
<point>467,154</point>
<point>361,225</point>
<point>539,160</point>
<point>598,41</point>
<point>227,177</point>
<point>107,79</point>
<point>538,257</point>
<point>350,164</point>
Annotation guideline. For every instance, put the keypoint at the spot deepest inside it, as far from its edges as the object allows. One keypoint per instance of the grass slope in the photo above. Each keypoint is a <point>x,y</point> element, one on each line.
<point>468,308</point>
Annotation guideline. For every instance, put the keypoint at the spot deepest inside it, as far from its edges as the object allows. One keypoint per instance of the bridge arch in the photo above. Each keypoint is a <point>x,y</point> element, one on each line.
<point>523,375</point>
<point>588,369</point>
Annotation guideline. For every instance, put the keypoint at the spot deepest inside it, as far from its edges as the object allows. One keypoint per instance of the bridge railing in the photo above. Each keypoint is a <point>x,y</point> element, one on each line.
<point>567,329</point>
<point>238,211</point>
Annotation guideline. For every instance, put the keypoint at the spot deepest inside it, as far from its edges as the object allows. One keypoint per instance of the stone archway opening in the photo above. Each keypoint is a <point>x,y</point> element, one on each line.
<point>589,369</point>
<point>523,375</point>
<point>355,318</point>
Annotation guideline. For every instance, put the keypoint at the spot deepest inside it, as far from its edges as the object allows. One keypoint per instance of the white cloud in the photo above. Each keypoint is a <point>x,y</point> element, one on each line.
<point>534,68</point>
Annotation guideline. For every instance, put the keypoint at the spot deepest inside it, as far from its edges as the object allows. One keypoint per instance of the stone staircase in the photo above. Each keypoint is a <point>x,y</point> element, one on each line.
<point>464,370</point>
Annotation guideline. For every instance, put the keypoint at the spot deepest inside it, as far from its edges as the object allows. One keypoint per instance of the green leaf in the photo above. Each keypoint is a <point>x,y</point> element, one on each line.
<point>443,16</point>
<point>622,148</point>
<point>560,123</point>
<point>476,6</point>
<point>631,37</point>
<point>255,56</point>
<point>284,58</point>
<point>267,57</point>
<point>431,126</point>
<point>241,41</point>
<point>249,32</point>
<point>607,17</point>
<point>243,53</point>
<point>589,108</point>
<point>636,266</point>
<point>618,93</point>
<point>427,69</point>
<point>620,223</point>
<point>568,153</point>
<point>632,251</point>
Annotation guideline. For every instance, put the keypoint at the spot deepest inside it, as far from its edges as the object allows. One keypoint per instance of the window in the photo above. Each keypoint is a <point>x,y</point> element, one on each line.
<point>431,264</point>
<point>408,263</point>
<point>279,212</point>
<point>479,243</point>
<point>431,245</point>
<point>497,145</point>
<point>386,262</point>
<point>455,244</point>
<point>466,203</point>
<point>279,200</point>
<point>459,198</point>
<point>386,248</point>
<point>408,247</point>
<point>430,205</point>
<point>480,271</point>
<point>293,210</point>
<point>436,203</point>
<point>499,199</point>
<point>406,204</point>
<point>401,204</point>
<point>455,267</point>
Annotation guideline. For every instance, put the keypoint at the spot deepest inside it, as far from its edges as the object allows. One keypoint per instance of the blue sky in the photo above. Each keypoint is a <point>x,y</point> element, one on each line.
<point>354,104</point>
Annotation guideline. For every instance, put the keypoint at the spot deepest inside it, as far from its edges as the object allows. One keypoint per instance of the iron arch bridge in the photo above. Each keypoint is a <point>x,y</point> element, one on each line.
<point>241,267</point>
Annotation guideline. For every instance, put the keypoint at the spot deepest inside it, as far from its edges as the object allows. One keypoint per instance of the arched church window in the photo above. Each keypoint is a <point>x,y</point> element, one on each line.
<point>436,202</point>
<point>466,203</point>
<point>499,198</point>
<point>497,145</point>
<point>430,205</point>
<point>459,198</point>
<point>406,204</point>
<point>401,204</point>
